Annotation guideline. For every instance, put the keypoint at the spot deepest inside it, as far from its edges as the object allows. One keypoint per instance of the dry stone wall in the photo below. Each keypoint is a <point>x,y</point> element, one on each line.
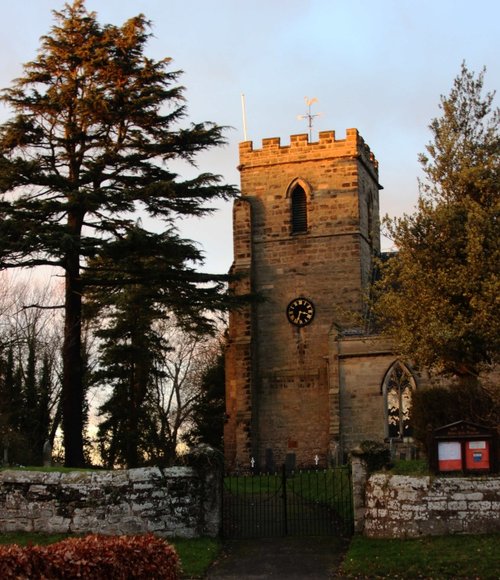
<point>178,501</point>
<point>399,506</point>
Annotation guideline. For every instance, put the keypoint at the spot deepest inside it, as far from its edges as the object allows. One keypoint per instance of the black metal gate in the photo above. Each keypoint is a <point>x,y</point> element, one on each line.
<point>295,503</point>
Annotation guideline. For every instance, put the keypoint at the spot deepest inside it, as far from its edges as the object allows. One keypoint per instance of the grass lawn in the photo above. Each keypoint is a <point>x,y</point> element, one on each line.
<point>25,538</point>
<point>440,557</point>
<point>196,555</point>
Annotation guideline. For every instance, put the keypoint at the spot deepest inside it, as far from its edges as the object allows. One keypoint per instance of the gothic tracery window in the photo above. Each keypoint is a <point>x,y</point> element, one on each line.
<point>299,210</point>
<point>398,387</point>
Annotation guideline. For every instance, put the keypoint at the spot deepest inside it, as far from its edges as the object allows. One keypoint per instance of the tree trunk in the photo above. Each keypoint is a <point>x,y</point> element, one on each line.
<point>72,385</point>
<point>132,442</point>
<point>138,388</point>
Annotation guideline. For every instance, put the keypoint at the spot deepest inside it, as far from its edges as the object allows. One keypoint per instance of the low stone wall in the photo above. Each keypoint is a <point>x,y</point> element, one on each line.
<point>178,501</point>
<point>398,506</point>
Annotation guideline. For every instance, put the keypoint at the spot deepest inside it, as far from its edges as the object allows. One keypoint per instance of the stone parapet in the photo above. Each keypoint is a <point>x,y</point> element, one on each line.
<point>300,150</point>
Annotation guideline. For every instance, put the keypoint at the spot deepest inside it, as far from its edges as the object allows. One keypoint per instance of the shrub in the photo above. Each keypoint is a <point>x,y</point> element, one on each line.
<point>376,455</point>
<point>93,557</point>
<point>16,562</point>
<point>410,467</point>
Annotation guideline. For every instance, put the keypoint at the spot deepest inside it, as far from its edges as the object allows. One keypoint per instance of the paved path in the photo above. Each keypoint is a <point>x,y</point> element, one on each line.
<point>312,558</point>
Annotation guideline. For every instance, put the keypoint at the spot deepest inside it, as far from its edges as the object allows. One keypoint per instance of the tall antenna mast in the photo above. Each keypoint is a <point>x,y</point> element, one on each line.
<point>244,114</point>
<point>309,116</point>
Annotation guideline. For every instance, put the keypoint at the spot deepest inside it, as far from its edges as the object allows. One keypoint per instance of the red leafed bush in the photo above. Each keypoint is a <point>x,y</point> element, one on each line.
<point>93,557</point>
<point>16,562</point>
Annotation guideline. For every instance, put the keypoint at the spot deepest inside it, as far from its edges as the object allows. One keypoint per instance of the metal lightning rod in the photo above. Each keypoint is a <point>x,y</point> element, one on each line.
<point>244,114</point>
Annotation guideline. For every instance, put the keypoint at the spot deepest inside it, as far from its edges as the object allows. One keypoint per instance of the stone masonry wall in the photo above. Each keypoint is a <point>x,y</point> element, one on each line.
<point>278,395</point>
<point>399,506</point>
<point>178,501</point>
<point>361,363</point>
<point>237,429</point>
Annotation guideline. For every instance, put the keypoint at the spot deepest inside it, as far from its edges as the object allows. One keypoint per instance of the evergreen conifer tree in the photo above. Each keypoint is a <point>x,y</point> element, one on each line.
<point>95,127</point>
<point>209,410</point>
<point>439,295</point>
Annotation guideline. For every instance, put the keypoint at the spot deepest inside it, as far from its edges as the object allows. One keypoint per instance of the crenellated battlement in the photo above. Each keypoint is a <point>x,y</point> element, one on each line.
<point>300,149</point>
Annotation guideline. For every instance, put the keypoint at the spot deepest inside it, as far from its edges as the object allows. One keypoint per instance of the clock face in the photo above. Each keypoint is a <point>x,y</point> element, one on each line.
<point>300,311</point>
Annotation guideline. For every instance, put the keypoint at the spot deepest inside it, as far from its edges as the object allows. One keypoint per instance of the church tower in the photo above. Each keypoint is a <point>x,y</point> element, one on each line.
<point>306,231</point>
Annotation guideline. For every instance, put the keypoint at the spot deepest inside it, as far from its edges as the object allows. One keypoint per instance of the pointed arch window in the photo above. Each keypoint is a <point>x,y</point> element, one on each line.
<point>398,388</point>
<point>299,209</point>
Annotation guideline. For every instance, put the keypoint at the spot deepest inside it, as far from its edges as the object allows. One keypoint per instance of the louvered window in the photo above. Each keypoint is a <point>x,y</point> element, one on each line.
<point>299,210</point>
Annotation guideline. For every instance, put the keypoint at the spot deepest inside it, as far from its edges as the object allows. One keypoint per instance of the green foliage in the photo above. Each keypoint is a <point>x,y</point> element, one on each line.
<point>154,371</point>
<point>209,409</point>
<point>27,385</point>
<point>410,467</point>
<point>376,455</point>
<point>142,419</point>
<point>438,296</point>
<point>441,405</point>
<point>130,358</point>
<point>439,558</point>
<point>94,133</point>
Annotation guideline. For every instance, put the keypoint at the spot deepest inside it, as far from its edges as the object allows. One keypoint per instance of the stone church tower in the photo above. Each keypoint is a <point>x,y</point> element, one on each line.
<point>306,230</point>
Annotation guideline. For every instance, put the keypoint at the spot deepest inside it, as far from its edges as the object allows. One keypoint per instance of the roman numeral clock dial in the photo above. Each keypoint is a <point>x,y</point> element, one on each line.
<point>300,311</point>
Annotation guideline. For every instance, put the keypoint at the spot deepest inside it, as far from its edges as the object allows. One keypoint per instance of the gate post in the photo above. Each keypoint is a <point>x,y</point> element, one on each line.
<point>359,477</point>
<point>208,464</point>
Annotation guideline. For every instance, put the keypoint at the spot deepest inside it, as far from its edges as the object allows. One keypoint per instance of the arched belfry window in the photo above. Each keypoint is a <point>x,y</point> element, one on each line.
<point>397,389</point>
<point>299,209</point>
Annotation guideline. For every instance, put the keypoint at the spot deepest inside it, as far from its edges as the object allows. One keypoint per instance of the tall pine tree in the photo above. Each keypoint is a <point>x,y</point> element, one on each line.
<point>95,126</point>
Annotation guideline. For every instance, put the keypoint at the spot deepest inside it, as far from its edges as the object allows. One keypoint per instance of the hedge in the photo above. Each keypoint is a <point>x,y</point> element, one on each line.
<point>93,557</point>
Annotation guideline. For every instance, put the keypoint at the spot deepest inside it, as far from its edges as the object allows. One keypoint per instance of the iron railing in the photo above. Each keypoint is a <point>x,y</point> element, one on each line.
<point>289,503</point>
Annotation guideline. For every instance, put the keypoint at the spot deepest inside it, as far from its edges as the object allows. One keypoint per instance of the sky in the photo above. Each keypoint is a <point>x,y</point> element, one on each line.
<point>380,67</point>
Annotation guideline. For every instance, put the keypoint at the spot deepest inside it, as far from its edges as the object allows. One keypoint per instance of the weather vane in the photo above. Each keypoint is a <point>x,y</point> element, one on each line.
<point>309,116</point>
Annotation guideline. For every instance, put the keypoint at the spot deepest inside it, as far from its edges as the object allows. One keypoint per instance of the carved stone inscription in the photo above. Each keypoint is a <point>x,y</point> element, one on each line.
<point>286,381</point>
